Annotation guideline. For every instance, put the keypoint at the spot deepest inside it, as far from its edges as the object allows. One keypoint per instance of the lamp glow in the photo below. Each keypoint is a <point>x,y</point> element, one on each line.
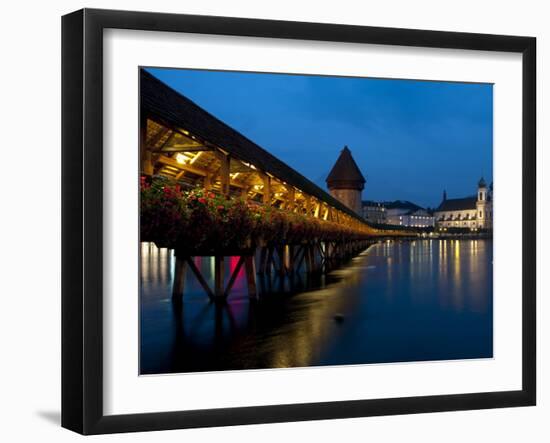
<point>181,158</point>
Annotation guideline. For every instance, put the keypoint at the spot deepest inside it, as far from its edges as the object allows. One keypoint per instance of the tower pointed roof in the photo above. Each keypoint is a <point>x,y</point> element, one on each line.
<point>481,183</point>
<point>345,174</point>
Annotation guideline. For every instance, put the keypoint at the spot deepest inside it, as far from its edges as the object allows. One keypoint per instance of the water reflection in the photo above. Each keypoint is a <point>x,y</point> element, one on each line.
<point>398,301</point>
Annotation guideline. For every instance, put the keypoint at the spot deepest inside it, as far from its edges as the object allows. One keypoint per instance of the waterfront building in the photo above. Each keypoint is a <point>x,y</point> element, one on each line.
<point>406,213</point>
<point>374,212</point>
<point>345,181</point>
<point>473,212</point>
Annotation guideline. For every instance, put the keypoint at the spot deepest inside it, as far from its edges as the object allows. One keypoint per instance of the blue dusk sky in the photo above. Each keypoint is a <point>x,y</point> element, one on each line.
<point>411,139</point>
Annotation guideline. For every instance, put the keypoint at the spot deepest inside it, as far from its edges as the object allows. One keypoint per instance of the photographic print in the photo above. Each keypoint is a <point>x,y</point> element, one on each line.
<point>293,221</point>
<point>272,221</point>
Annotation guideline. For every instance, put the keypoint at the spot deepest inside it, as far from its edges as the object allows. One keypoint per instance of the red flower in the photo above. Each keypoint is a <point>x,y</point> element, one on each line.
<point>211,195</point>
<point>143,182</point>
<point>202,200</point>
<point>221,207</point>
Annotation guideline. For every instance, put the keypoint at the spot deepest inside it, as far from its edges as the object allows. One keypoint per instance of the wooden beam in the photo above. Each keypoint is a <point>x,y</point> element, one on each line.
<point>168,140</point>
<point>147,163</point>
<point>142,138</point>
<point>179,277</point>
<point>208,182</point>
<point>239,166</point>
<point>266,198</point>
<point>290,198</point>
<point>225,170</point>
<point>186,167</point>
<point>184,148</point>
<point>234,275</point>
<point>219,268</point>
<point>156,138</point>
<point>199,277</point>
<point>193,169</point>
<point>250,266</point>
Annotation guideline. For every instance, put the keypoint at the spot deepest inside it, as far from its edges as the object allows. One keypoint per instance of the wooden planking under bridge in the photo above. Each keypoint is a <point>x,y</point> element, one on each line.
<point>183,142</point>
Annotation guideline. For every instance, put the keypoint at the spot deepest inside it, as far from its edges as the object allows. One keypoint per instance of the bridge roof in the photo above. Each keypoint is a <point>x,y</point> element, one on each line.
<point>169,107</point>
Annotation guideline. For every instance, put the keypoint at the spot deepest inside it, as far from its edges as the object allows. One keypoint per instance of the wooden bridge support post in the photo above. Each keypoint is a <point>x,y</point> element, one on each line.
<point>328,255</point>
<point>281,255</point>
<point>263,261</point>
<point>291,251</point>
<point>179,277</point>
<point>298,254</point>
<point>310,258</point>
<point>314,262</point>
<point>270,259</point>
<point>250,267</point>
<point>307,258</point>
<point>219,271</point>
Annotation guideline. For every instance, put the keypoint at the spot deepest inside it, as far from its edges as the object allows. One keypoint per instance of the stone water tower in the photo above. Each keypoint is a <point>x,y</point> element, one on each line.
<point>345,181</point>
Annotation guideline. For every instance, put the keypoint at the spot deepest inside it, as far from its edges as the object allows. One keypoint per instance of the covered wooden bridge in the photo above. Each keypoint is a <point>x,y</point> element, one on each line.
<point>184,143</point>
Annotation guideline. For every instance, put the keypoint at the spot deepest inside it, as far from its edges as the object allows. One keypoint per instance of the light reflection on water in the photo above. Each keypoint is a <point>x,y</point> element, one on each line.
<point>399,301</point>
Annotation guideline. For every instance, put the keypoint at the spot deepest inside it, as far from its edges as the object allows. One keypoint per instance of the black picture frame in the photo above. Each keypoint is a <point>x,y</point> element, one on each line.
<point>82,218</point>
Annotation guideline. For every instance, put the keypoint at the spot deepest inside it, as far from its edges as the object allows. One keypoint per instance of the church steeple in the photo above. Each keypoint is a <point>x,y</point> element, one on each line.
<point>444,195</point>
<point>482,190</point>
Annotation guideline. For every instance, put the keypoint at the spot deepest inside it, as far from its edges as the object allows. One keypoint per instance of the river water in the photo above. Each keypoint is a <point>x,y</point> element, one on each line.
<point>398,301</point>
